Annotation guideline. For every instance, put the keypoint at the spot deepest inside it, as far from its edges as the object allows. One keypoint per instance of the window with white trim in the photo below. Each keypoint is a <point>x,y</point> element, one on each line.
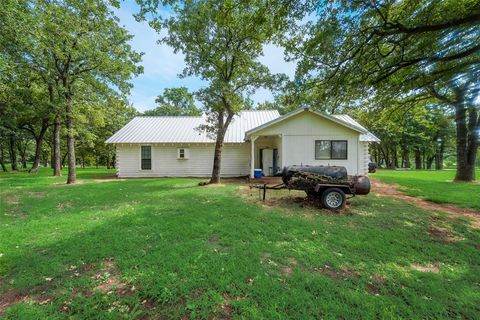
<point>331,149</point>
<point>146,155</point>
<point>182,153</point>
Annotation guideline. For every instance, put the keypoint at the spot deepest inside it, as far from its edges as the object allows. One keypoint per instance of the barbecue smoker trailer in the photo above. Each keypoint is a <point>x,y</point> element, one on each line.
<point>330,184</point>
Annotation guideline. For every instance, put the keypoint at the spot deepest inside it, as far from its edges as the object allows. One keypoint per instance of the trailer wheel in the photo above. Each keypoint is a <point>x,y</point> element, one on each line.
<point>333,199</point>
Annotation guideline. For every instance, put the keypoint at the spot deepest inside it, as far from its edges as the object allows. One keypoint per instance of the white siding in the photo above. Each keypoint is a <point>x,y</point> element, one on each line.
<point>165,162</point>
<point>363,157</point>
<point>298,141</point>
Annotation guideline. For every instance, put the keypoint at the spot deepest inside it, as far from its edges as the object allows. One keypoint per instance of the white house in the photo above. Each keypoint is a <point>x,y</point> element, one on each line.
<point>175,147</point>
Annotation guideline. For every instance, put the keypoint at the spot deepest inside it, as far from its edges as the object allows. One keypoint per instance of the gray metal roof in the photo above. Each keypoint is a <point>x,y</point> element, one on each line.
<point>184,129</point>
<point>368,136</point>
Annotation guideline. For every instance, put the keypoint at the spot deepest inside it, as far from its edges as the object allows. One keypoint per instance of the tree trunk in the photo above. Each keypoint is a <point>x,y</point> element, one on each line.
<point>72,161</point>
<point>2,160</point>
<point>63,159</point>
<point>38,146</point>
<point>217,156</point>
<point>430,161</point>
<point>395,157</point>
<point>388,162</point>
<point>56,147</point>
<point>439,156</point>
<point>466,140</point>
<point>418,159</point>
<point>23,156</point>
<point>405,157</point>
<point>13,153</point>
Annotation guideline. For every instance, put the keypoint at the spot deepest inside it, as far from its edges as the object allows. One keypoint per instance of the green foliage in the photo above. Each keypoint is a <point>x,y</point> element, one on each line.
<point>356,46</point>
<point>175,102</point>
<point>221,42</point>
<point>181,250</point>
<point>69,60</point>
<point>389,53</point>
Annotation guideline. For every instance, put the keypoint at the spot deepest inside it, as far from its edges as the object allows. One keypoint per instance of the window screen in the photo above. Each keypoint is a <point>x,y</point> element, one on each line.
<point>322,149</point>
<point>330,149</point>
<point>339,149</point>
<point>146,157</point>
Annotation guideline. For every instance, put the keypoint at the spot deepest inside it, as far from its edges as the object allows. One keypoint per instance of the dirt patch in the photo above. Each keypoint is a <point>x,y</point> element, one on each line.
<point>109,179</point>
<point>213,240</point>
<point>10,298</point>
<point>110,280</point>
<point>288,268</point>
<point>335,274</point>
<point>64,205</point>
<point>443,234</point>
<point>214,243</point>
<point>392,191</point>
<point>64,184</point>
<point>375,285</point>
<point>225,310</point>
<point>211,185</point>
<point>12,200</point>
<point>429,267</point>
<point>36,294</point>
<point>37,195</point>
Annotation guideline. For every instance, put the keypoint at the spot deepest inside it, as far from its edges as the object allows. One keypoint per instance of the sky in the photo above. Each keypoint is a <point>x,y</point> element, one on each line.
<point>162,65</point>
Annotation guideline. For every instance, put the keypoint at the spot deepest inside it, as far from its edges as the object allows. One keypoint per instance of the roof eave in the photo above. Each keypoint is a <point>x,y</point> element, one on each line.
<point>295,112</point>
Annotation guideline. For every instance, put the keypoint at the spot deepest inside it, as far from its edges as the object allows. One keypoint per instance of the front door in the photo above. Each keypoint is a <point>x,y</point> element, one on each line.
<point>268,162</point>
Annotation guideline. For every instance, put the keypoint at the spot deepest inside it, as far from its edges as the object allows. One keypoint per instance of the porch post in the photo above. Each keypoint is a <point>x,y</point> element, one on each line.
<point>252,157</point>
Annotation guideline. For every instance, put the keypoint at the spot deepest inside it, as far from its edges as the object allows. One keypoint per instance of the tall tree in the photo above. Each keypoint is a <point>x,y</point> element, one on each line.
<point>363,49</point>
<point>175,102</point>
<point>221,41</point>
<point>87,48</point>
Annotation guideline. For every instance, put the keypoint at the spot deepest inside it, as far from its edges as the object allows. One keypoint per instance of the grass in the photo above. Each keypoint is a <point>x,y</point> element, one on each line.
<point>167,248</point>
<point>436,186</point>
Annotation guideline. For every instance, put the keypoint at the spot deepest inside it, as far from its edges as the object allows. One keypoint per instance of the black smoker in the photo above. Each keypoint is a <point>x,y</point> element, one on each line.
<point>328,183</point>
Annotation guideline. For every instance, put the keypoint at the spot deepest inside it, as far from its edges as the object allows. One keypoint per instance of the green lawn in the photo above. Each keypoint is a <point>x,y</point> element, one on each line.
<point>436,186</point>
<point>167,248</point>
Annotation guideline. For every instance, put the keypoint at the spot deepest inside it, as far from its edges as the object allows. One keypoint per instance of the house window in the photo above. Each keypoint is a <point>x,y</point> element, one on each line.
<point>331,149</point>
<point>182,153</point>
<point>146,154</point>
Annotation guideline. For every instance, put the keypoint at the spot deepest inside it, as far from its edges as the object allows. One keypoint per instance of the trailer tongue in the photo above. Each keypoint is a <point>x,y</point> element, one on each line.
<point>330,184</point>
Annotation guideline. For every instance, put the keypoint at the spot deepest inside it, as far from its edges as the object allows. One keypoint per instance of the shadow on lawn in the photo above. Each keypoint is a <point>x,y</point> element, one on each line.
<point>162,246</point>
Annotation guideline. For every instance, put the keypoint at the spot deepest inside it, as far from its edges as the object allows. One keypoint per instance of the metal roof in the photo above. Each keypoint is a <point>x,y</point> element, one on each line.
<point>295,112</point>
<point>367,136</point>
<point>341,119</point>
<point>185,129</point>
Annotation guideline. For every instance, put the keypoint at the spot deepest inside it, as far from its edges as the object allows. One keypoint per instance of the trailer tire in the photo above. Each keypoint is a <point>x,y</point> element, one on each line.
<point>333,199</point>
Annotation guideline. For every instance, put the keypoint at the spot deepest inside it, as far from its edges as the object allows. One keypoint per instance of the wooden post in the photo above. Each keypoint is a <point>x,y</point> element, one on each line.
<point>252,157</point>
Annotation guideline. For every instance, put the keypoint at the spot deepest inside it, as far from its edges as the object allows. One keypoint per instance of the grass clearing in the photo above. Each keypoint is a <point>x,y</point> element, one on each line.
<point>167,248</point>
<point>435,186</point>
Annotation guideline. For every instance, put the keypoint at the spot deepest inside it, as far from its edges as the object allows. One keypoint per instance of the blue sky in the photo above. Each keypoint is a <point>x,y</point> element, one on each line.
<point>162,66</point>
